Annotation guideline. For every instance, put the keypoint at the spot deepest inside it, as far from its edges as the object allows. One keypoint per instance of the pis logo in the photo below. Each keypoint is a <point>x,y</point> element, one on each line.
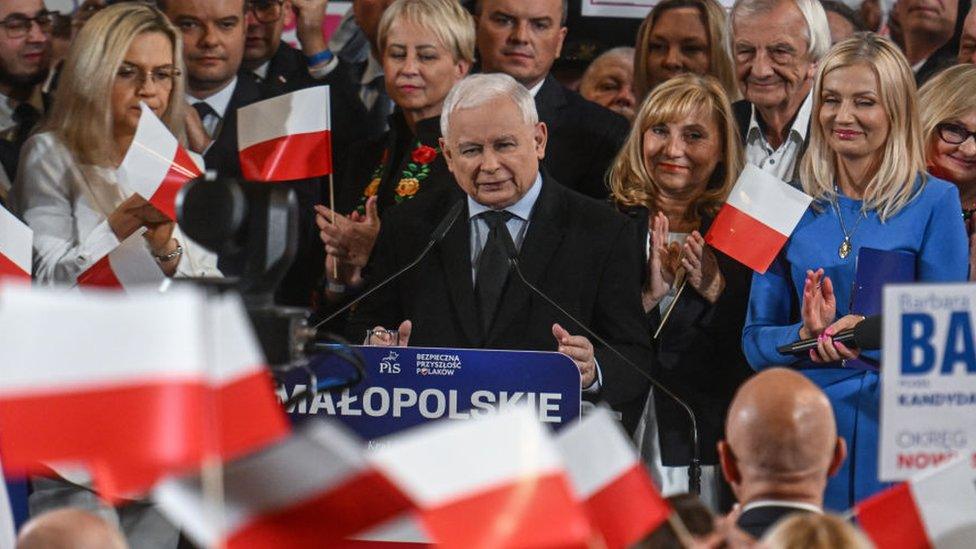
<point>388,364</point>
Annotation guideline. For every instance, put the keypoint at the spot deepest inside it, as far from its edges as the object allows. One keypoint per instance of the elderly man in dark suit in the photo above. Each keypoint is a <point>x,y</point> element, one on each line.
<point>780,447</point>
<point>464,295</point>
<point>522,38</point>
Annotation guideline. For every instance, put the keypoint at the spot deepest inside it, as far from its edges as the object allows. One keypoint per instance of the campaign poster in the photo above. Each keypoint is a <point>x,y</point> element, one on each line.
<point>928,381</point>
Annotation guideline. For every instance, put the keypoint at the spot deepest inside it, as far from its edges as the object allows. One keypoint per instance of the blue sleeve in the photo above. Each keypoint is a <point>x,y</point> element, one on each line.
<point>767,319</point>
<point>944,251</point>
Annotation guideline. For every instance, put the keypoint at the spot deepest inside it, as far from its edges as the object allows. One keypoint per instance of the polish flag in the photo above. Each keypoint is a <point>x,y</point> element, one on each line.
<point>127,384</point>
<point>936,509</point>
<point>757,219</point>
<point>496,481</point>
<point>156,167</point>
<point>16,247</point>
<point>608,476</point>
<point>129,265</point>
<point>311,490</point>
<point>286,137</point>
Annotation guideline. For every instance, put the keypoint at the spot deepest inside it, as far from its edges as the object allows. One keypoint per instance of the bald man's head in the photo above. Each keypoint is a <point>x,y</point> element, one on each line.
<point>780,439</point>
<point>69,529</point>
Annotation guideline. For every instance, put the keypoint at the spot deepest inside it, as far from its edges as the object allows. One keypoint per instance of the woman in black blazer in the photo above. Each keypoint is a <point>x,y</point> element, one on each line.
<point>672,176</point>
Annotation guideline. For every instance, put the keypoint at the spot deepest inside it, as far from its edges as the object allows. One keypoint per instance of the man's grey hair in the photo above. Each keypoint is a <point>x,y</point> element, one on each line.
<point>478,89</point>
<point>818,31</point>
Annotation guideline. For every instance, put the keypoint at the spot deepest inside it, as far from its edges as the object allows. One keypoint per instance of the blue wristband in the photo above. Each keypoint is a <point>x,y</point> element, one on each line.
<point>319,58</point>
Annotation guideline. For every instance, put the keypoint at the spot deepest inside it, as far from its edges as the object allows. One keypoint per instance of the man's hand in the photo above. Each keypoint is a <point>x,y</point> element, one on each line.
<point>349,239</point>
<point>580,350</point>
<point>310,15</point>
<point>382,338</point>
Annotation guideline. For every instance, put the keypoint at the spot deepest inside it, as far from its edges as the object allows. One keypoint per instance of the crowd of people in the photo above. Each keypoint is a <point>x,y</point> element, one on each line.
<point>600,199</point>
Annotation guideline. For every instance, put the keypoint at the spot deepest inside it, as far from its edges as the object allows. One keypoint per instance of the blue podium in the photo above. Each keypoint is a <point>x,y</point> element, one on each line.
<point>407,386</point>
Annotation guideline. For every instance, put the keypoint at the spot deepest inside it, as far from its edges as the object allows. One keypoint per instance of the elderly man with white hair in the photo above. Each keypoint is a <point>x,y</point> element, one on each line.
<point>775,45</point>
<point>465,294</point>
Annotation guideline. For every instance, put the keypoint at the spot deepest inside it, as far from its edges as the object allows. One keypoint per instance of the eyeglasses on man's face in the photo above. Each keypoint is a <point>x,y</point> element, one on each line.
<point>18,25</point>
<point>266,11</point>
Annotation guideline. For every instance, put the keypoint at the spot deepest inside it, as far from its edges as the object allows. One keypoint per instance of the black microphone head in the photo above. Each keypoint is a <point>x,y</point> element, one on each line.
<point>867,333</point>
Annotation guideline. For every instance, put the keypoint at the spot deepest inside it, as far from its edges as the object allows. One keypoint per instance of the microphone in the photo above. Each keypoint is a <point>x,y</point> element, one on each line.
<point>866,335</point>
<point>694,469</point>
<point>439,232</point>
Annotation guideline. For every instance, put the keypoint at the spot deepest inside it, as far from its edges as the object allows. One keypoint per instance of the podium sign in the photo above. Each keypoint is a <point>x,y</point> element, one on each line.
<point>407,386</point>
<point>928,382</point>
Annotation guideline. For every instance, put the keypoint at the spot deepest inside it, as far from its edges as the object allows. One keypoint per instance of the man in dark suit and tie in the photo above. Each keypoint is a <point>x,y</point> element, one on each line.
<point>464,294</point>
<point>522,38</point>
<point>25,57</point>
<point>780,447</point>
<point>213,49</point>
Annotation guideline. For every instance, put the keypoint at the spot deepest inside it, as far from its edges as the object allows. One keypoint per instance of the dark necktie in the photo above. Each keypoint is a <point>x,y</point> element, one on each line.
<point>204,109</point>
<point>493,266</point>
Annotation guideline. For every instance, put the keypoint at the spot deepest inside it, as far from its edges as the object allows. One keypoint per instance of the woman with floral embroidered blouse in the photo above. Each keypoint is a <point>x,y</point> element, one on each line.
<point>427,46</point>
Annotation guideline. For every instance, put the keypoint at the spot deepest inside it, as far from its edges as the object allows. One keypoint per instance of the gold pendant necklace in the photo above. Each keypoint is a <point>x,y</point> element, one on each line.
<point>845,246</point>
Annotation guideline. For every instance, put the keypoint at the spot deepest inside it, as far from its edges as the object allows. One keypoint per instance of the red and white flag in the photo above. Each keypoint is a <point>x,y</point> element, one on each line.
<point>286,137</point>
<point>935,510</point>
<point>130,265</point>
<point>496,481</point>
<point>125,384</point>
<point>757,219</point>
<point>16,247</point>
<point>156,167</point>
<point>609,478</point>
<point>311,490</point>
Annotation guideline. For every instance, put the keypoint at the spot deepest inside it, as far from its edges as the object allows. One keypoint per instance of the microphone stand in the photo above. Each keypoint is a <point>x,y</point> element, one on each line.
<point>694,468</point>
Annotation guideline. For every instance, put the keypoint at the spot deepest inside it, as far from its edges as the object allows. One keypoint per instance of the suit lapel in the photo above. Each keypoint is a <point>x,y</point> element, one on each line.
<point>550,99</point>
<point>455,256</point>
<point>541,242</point>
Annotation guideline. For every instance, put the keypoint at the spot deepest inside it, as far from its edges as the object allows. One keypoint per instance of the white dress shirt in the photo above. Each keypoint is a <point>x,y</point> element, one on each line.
<point>219,103</point>
<point>70,233</point>
<point>782,161</point>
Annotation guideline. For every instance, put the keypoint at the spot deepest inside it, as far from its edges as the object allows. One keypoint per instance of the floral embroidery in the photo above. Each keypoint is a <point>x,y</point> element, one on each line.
<point>407,187</point>
<point>411,178</point>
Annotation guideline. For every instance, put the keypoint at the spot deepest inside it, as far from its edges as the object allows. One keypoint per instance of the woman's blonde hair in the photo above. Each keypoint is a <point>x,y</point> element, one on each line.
<point>815,531</point>
<point>82,113</point>
<point>713,18</point>
<point>451,23</point>
<point>670,102</point>
<point>901,158</point>
<point>948,96</point>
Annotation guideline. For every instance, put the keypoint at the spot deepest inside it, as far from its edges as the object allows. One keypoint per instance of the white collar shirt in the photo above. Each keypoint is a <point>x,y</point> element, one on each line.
<point>219,103</point>
<point>781,162</point>
<point>800,506</point>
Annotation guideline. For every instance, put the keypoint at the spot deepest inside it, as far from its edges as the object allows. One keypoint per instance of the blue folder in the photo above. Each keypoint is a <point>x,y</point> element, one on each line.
<point>872,271</point>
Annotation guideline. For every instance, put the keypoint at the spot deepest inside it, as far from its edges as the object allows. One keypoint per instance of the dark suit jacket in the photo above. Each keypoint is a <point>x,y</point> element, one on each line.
<point>699,357</point>
<point>575,250</point>
<point>758,520</point>
<point>302,278</point>
<point>742,112</point>
<point>584,138</point>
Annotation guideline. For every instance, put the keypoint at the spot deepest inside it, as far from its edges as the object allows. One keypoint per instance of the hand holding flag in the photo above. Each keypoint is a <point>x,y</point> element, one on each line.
<point>156,166</point>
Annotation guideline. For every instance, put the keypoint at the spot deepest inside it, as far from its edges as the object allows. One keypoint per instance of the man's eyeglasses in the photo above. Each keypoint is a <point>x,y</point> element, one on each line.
<point>18,25</point>
<point>954,134</point>
<point>266,11</point>
<point>163,76</point>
